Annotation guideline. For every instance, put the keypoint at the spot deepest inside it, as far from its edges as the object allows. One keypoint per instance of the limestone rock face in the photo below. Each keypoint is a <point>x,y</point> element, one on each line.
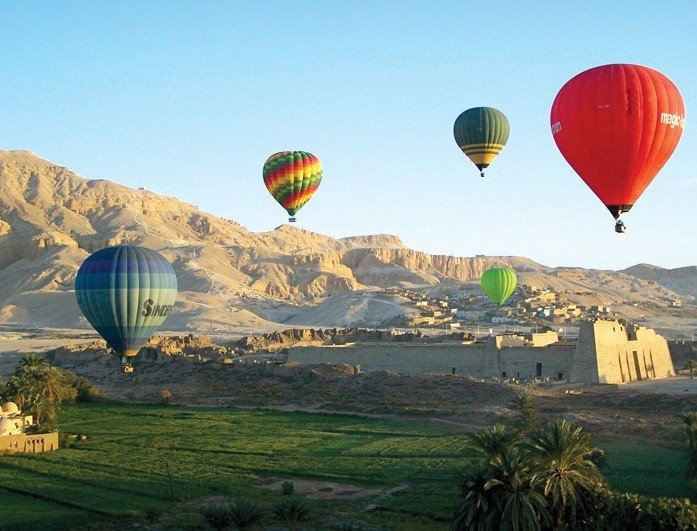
<point>681,279</point>
<point>232,279</point>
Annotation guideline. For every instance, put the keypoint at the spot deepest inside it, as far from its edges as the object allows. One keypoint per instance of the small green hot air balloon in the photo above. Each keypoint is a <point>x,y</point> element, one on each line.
<point>481,133</point>
<point>499,283</point>
<point>126,293</point>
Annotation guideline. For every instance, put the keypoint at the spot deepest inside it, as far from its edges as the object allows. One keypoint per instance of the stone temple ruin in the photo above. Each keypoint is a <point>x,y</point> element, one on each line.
<point>609,352</point>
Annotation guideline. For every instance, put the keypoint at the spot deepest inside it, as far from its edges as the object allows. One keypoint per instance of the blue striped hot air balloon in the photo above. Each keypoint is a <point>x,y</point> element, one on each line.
<point>126,293</point>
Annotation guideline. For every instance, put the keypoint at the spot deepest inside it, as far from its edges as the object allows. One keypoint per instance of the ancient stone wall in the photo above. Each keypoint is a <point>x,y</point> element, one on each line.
<point>404,358</point>
<point>482,360</point>
<point>605,352</point>
<point>527,363</point>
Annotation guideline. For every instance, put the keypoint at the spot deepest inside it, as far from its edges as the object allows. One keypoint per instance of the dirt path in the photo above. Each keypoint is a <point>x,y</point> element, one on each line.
<point>678,385</point>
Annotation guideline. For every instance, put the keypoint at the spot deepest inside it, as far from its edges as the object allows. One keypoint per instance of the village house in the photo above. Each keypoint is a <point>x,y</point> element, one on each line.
<point>13,436</point>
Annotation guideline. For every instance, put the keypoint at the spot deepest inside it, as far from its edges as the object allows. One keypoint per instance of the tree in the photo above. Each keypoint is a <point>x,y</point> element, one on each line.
<point>502,494</point>
<point>560,455</point>
<point>525,405</point>
<point>498,486</point>
<point>39,388</point>
<point>477,510</point>
<point>489,443</point>
<point>521,504</point>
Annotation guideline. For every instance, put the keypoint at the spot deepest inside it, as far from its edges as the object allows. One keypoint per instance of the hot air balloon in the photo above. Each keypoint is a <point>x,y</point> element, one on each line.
<point>617,125</point>
<point>126,293</point>
<point>291,177</point>
<point>481,133</point>
<point>499,283</point>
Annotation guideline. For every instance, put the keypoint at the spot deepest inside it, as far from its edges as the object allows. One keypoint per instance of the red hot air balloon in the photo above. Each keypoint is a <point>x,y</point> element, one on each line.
<point>617,125</point>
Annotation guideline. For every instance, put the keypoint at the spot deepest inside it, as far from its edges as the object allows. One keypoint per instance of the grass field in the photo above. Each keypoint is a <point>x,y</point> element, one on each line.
<point>120,471</point>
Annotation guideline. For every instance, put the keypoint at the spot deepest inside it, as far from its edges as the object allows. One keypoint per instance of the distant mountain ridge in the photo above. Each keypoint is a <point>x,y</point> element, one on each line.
<point>229,277</point>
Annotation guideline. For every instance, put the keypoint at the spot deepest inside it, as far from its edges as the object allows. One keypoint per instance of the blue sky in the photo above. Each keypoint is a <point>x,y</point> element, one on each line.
<point>188,99</point>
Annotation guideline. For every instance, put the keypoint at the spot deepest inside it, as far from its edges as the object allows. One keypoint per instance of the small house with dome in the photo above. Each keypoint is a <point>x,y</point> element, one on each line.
<point>14,436</point>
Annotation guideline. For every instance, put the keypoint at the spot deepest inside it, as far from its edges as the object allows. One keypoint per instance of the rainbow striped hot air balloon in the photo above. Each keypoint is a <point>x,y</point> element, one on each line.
<point>291,177</point>
<point>499,283</point>
<point>126,293</point>
<point>481,133</point>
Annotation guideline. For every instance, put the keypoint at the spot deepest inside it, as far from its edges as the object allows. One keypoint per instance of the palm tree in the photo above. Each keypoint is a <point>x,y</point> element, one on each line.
<point>31,363</point>
<point>560,455</point>
<point>525,405</point>
<point>521,505</point>
<point>477,510</point>
<point>20,386</point>
<point>55,386</point>
<point>489,443</point>
<point>502,494</point>
<point>44,410</point>
<point>39,388</point>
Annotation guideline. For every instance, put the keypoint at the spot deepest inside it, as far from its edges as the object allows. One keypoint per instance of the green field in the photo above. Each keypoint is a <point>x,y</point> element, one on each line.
<point>120,471</point>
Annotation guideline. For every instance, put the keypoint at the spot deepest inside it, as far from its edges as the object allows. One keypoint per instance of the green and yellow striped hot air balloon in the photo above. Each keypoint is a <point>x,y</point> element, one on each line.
<point>126,292</point>
<point>291,177</point>
<point>481,133</point>
<point>499,283</point>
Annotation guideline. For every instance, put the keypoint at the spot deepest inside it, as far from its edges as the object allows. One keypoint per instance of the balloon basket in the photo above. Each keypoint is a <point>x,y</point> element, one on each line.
<point>291,219</point>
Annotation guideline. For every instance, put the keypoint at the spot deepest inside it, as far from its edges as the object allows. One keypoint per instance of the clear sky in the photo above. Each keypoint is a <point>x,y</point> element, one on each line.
<point>188,99</point>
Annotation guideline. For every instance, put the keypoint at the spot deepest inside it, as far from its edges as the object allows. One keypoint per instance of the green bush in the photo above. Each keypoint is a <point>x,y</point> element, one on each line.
<point>218,514</point>
<point>292,511</point>
<point>90,393</point>
<point>690,420</point>
<point>246,513</point>
<point>65,440</point>
<point>153,514</point>
<point>287,488</point>
<point>85,391</point>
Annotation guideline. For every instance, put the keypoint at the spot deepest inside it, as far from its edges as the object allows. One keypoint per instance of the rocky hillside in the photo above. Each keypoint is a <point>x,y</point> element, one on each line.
<point>681,279</point>
<point>229,278</point>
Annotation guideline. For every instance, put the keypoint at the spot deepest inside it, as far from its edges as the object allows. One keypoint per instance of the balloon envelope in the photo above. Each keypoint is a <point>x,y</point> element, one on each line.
<point>126,293</point>
<point>499,283</point>
<point>481,133</point>
<point>617,125</point>
<point>292,177</point>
